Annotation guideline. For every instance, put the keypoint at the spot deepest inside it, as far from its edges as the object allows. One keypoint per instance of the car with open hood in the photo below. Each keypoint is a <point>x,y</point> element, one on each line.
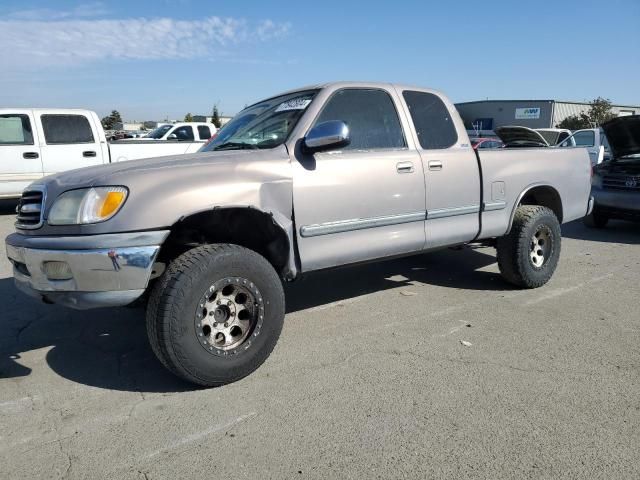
<point>515,136</point>
<point>616,181</point>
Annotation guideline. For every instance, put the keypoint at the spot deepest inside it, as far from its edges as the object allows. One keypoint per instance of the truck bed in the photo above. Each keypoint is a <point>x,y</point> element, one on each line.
<point>507,174</point>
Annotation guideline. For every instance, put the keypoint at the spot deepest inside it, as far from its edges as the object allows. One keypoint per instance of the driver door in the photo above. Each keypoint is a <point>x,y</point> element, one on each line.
<point>366,200</point>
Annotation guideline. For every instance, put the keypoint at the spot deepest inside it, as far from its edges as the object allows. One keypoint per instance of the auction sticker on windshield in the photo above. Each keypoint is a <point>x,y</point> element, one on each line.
<point>294,104</point>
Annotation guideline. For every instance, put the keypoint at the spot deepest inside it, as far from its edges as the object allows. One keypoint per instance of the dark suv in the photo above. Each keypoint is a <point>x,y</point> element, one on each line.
<point>616,182</point>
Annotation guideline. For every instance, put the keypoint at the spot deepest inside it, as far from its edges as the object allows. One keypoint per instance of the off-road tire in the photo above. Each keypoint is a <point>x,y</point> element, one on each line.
<point>514,249</point>
<point>174,301</point>
<point>595,219</point>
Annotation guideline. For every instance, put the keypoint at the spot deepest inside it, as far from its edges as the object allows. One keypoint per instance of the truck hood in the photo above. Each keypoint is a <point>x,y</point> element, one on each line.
<point>623,134</point>
<point>120,173</point>
<point>513,135</point>
<point>166,189</point>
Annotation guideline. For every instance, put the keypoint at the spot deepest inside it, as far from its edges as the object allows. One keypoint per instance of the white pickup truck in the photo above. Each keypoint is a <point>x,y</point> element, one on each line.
<point>38,142</point>
<point>182,131</point>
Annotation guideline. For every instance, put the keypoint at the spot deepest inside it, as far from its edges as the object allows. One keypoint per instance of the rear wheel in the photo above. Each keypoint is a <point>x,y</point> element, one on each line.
<point>529,254</point>
<point>596,219</point>
<point>216,314</point>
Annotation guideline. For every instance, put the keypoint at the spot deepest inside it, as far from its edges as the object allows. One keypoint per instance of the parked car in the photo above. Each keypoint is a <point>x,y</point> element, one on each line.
<point>38,142</point>
<point>120,135</point>
<point>187,131</point>
<point>483,143</point>
<point>211,236</point>
<point>594,140</point>
<point>616,181</point>
<point>515,136</point>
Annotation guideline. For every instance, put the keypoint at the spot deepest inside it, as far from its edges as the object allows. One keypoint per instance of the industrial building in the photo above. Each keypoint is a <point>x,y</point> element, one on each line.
<point>489,114</point>
<point>207,118</point>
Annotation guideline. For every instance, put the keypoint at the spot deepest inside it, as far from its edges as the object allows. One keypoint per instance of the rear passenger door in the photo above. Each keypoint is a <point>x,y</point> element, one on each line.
<point>452,176</point>
<point>20,162</point>
<point>69,142</point>
<point>365,200</point>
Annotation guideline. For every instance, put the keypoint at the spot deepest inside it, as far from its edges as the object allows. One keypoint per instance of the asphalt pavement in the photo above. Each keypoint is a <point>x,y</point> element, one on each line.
<point>370,378</point>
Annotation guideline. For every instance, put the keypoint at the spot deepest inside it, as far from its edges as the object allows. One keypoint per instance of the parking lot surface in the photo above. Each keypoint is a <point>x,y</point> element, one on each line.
<point>370,378</point>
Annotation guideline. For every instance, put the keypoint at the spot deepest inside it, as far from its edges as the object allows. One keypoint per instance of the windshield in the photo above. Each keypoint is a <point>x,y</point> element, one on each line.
<point>159,132</point>
<point>550,136</point>
<point>263,125</point>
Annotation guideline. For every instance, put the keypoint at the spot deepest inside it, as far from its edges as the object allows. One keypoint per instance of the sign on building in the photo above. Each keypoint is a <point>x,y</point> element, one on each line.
<point>528,113</point>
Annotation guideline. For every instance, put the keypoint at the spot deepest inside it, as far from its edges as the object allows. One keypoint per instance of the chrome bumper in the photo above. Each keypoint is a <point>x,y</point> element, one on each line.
<point>104,274</point>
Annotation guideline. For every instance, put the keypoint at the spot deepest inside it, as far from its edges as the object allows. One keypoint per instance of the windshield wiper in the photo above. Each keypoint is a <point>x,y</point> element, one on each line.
<point>235,146</point>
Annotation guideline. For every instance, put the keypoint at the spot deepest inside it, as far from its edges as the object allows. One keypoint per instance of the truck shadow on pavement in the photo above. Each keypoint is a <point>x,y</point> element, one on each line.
<point>617,231</point>
<point>450,268</point>
<point>108,348</point>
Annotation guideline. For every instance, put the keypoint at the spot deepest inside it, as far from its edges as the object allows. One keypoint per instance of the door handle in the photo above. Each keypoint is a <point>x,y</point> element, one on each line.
<point>435,165</point>
<point>89,153</point>
<point>404,167</point>
<point>30,155</point>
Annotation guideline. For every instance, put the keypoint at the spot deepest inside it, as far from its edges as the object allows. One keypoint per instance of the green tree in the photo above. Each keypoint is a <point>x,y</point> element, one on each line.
<point>215,117</point>
<point>109,122</point>
<point>599,112</point>
<point>574,122</point>
<point>188,117</point>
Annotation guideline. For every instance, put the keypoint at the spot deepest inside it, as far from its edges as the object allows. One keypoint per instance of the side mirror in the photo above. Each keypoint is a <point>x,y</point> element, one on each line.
<point>327,136</point>
<point>173,136</point>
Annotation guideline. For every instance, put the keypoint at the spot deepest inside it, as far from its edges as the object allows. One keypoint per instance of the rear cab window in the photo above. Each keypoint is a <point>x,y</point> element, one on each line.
<point>204,132</point>
<point>66,129</point>
<point>371,116</point>
<point>15,129</point>
<point>431,119</point>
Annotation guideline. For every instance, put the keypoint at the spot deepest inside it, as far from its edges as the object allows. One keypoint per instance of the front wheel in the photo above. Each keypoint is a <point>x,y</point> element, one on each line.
<point>216,314</point>
<point>529,254</point>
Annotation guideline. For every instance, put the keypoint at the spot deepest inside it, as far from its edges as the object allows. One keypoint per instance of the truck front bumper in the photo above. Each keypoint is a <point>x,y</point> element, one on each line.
<point>85,272</point>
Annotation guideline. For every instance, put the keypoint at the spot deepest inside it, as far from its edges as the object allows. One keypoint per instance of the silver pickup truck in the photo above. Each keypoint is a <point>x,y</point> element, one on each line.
<point>314,178</point>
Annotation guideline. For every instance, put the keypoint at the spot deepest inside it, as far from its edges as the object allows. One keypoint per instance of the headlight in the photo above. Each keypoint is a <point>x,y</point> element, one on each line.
<point>87,205</point>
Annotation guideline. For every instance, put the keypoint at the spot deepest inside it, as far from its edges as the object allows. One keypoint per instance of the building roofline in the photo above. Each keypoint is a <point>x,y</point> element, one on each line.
<point>504,100</point>
<point>573,102</point>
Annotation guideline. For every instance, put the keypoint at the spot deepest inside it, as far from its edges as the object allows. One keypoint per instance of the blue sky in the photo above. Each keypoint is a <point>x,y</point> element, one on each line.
<point>160,58</point>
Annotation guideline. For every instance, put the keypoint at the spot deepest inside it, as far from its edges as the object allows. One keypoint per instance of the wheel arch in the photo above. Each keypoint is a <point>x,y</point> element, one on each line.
<point>266,233</point>
<point>541,194</point>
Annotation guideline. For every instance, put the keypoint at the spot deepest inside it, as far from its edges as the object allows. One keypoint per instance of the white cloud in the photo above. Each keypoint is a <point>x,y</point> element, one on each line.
<point>87,10</point>
<point>31,41</point>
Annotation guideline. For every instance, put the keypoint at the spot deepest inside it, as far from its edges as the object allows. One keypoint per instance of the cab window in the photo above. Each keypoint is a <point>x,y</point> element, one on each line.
<point>183,133</point>
<point>370,115</point>
<point>432,120</point>
<point>66,129</point>
<point>15,129</point>
<point>204,132</point>
<point>584,139</point>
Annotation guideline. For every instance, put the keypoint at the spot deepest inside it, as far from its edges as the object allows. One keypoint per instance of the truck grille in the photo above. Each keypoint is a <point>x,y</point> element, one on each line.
<point>621,182</point>
<point>30,209</point>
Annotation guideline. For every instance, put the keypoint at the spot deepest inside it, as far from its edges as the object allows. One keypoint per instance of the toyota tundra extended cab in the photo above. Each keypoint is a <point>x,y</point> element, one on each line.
<point>314,178</point>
